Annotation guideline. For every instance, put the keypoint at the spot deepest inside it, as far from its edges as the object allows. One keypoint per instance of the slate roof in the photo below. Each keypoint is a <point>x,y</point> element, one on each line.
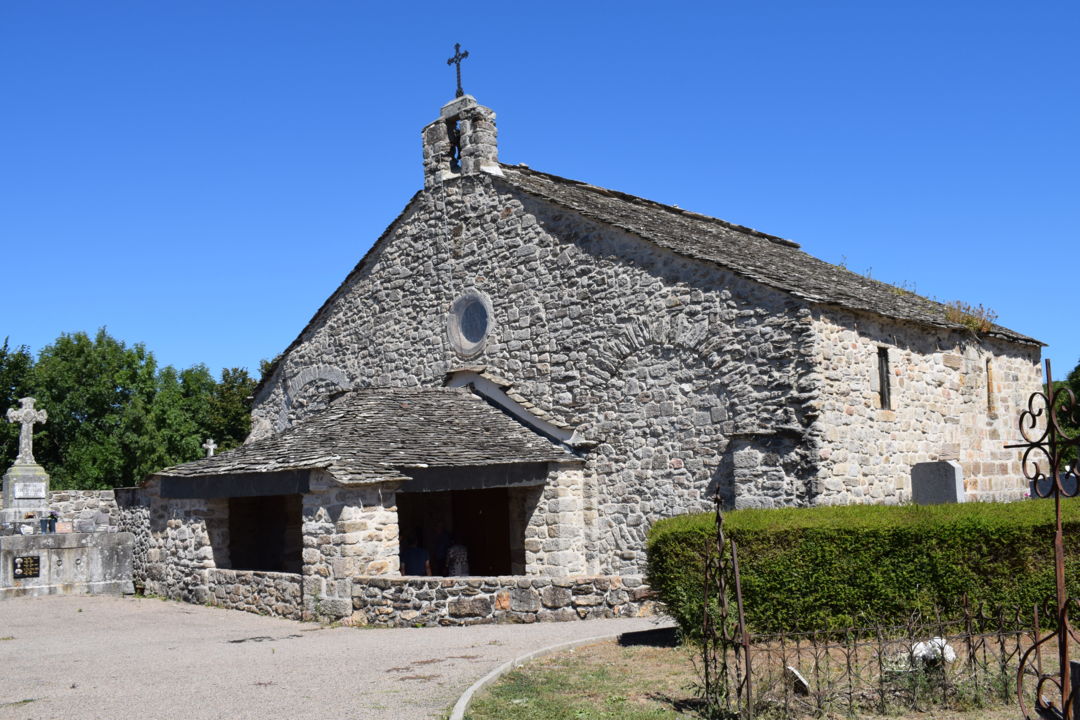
<point>758,256</point>
<point>764,258</point>
<point>367,435</point>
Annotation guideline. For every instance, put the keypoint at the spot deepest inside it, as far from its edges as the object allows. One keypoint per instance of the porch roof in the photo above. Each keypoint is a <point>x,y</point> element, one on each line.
<point>371,435</point>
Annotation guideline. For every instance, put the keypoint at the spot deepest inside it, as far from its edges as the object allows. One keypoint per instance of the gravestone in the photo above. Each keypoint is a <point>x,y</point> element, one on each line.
<point>1045,487</point>
<point>26,484</point>
<point>935,483</point>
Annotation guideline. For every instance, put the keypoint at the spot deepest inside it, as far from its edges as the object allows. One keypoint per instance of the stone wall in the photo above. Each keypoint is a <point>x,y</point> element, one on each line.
<point>175,558</point>
<point>555,533</point>
<point>133,505</point>
<point>409,602</point>
<point>178,552</point>
<point>347,532</point>
<point>943,407</point>
<point>86,510</point>
<point>181,553</point>
<point>656,359</point>
<point>68,563</point>
<point>264,593</point>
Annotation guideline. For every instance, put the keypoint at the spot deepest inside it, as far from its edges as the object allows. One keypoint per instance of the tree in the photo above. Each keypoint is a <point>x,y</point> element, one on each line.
<point>1070,422</point>
<point>100,398</point>
<point>229,420</point>
<point>15,367</point>
<point>114,417</point>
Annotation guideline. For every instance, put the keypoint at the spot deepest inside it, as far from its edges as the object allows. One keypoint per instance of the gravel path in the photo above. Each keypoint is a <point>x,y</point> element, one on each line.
<point>83,658</point>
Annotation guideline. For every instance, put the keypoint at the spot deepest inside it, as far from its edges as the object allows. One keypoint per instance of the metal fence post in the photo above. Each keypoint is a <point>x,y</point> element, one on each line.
<point>1074,670</point>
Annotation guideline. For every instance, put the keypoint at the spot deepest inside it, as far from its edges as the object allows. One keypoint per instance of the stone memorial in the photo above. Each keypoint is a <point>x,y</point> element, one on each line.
<point>35,560</point>
<point>935,483</point>
<point>26,484</point>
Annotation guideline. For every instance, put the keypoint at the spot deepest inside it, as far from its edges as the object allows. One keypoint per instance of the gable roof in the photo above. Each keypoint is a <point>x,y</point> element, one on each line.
<point>758,256</point>
<point>370,435</point>
<point>755,255</point>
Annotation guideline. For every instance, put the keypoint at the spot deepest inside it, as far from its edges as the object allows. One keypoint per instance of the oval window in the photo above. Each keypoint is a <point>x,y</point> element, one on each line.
<point>469,323</point>
<point>474,321</point>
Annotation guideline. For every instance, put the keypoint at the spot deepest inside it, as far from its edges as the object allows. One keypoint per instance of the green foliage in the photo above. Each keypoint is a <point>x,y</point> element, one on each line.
<point>826,567</point>
<point>15,367</point>
<point>114,416</point>
<point>229,419</point>
<point>98,393</point>
<point>267,366</point>
<point>1070,421</point>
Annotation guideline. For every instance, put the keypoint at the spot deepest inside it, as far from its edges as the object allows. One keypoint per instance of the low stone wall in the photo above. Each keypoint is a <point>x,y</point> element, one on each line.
<point>66,564</point>
<point>86,510</point>
<point>265,593</point>
<point>426,601</point>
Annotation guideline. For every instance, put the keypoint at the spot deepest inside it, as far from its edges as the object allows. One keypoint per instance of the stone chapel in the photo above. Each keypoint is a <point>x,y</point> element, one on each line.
<point>538,369</point>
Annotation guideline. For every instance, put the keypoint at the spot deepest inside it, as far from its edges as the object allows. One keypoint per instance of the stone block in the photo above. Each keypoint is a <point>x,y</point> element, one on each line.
<point>555,597</point>
<point>335,608</point>
<point>560,615</point>
<point>524,600</point>
<point>477,606</point>
<point>502,600</point>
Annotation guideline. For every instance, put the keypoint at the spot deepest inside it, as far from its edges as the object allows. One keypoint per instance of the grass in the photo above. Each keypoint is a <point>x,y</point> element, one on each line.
<point>597,681</point>
<point>639,682</point>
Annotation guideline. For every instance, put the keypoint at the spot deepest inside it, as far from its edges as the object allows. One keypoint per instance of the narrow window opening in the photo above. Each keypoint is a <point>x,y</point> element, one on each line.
<point>453,132</point>
<point>883,378</point>
<point>989,387</point>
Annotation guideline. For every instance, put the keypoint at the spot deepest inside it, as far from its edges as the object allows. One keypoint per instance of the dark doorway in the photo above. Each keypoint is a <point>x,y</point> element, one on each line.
<point>265,533</point>
<point>478,519</point>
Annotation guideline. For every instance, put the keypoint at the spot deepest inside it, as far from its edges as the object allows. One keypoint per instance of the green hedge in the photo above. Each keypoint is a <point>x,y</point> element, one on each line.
<point>816,568</point>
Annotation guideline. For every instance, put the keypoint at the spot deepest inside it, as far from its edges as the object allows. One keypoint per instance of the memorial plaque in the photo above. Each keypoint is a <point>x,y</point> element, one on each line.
<point>27,566</point>
<point>29,491</point>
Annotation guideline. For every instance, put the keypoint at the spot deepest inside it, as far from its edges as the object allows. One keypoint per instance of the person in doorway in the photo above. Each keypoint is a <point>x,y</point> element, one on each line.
<point>457,559</point>
<point>443,541</point>
<point>415,559</point>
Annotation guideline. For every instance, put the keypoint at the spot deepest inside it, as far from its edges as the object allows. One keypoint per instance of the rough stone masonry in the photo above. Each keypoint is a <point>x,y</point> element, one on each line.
<point>687,375</point>
<point>672,354</point>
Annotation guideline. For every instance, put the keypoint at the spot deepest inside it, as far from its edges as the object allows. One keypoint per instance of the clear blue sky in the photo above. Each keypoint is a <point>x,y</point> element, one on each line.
<point>199,176</point>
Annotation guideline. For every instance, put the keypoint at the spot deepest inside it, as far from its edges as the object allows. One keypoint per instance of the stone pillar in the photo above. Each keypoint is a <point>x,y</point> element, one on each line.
<point>26,492</point>
<point>463,141</point>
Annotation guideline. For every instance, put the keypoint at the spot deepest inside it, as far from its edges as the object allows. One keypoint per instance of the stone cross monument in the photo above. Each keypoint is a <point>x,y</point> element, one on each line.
<point>26,484</point>
<point>209,446</point>
<point>28,416</point>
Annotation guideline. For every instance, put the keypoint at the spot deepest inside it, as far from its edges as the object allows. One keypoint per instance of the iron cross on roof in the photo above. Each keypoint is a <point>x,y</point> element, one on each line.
<point>456,60</point>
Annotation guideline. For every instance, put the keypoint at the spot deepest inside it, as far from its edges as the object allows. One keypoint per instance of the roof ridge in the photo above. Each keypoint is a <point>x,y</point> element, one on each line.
<point>637,199</point>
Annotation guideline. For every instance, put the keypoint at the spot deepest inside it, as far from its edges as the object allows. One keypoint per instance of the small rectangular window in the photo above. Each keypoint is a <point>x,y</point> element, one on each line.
<point>883,378</point>
<point>989,387</point>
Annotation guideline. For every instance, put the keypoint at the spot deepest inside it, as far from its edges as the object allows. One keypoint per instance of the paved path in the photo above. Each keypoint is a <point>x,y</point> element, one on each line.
<point>90,658</point>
